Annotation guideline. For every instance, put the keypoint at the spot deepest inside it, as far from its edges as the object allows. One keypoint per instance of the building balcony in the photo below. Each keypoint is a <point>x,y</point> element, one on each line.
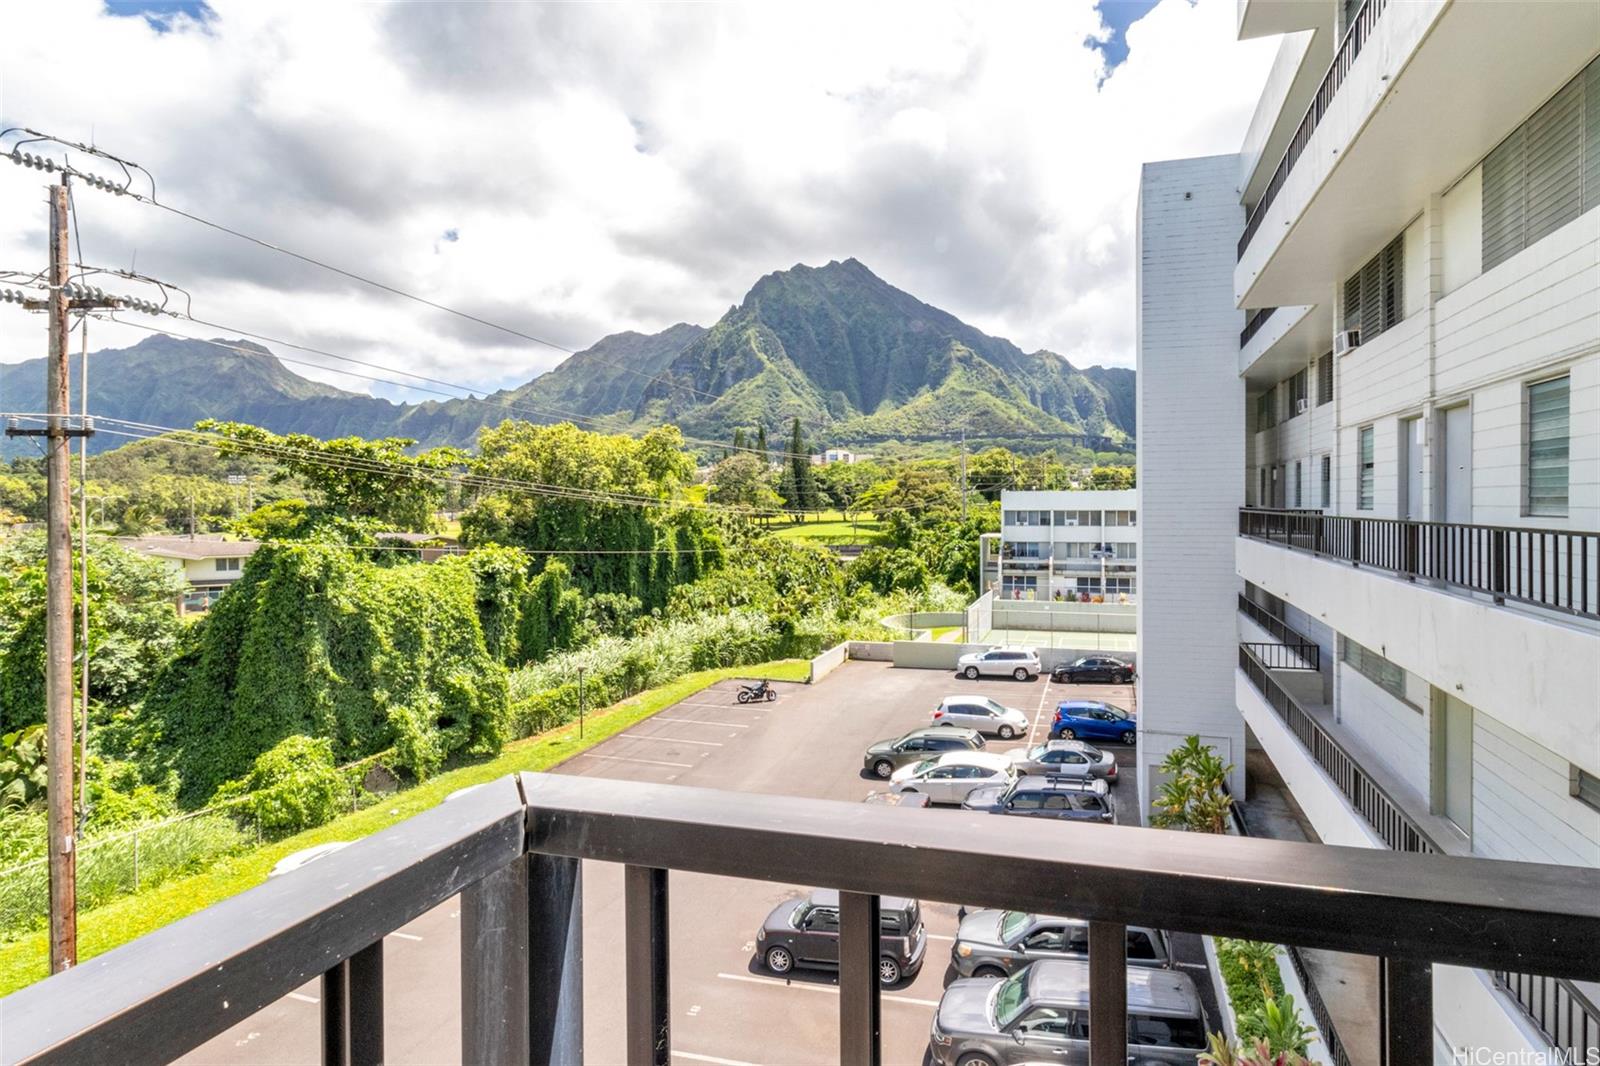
<point>1283,340</point>
<point>1347,798</point>
<point>512,850</point>
<point>1403,110</point>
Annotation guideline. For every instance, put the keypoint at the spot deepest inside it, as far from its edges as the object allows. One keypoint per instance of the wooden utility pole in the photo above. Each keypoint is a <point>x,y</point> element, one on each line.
<point>58,604</point>
<point>963,475</point>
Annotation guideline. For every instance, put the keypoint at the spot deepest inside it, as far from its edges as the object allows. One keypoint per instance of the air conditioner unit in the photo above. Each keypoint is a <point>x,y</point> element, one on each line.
<point>1301,406</point>
<point>1345,340</point>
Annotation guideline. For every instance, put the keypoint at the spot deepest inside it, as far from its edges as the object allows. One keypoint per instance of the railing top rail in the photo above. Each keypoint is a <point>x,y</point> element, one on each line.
<point>173,989</point>
<point>1470,912</point>
<point>1525,530</point>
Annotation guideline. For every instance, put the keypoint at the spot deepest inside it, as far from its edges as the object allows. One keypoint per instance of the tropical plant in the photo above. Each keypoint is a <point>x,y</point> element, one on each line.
<point>1219,1052</point>
<point>1194,796</point>
<point>23,767</point>
<point>1277,1022</point>
<point>293,786</point>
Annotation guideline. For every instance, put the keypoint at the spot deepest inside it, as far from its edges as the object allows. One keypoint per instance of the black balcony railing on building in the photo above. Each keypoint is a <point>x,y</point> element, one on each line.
<point>1301,654</point>
<point>1253,324</point>
<point>1287,656</point>
<point>1552,568</point>
<point>512,850</point>
<point>1355,38</point>
<point>1558,1007</point>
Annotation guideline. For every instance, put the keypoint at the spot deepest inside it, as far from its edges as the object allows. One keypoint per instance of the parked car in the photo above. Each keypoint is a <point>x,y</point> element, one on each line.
<point>1102,668</point>
<point>1068,758</point>
<point>887,756</point>
<point>1020,663</point>
<point>805,933</point>
<point>1065,798</point>
<point>980,713</point>
<point>999,943</point>
<point>1093,720</point>
<point>1041,1013</point>
<point>949,777</point>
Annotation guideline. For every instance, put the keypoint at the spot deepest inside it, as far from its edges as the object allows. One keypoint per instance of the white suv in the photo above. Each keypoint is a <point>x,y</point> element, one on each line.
<point>1020,663</point>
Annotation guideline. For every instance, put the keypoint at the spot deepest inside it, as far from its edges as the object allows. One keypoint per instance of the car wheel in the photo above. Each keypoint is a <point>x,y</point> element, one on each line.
<point>970,673</point>
<point>883,768</point>
<point>744,697</point>
<point>779,960</point>
<point>1020,674</point>
<point>888,971</point>
<point>1129,737</point>
<point>1006,732</point>
<point>1066,734</point>
<point>988,971</point>
<point>1127,677</point>
<point>976,1060</point>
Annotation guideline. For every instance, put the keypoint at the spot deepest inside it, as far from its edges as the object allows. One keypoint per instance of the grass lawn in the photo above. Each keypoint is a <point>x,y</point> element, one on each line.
<point>25,960</point>
<point>827,528</point>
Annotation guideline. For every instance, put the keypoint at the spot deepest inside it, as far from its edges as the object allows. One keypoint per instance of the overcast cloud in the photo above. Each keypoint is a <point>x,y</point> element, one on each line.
<point>575,170</point>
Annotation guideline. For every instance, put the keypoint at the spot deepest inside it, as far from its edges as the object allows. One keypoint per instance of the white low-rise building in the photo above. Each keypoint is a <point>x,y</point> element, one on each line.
<point>209,563</point>
<point>1063,545</point>
<point>1369,464</point>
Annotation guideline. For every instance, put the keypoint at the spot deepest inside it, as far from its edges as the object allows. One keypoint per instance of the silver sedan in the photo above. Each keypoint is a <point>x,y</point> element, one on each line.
<point>1069,758</point>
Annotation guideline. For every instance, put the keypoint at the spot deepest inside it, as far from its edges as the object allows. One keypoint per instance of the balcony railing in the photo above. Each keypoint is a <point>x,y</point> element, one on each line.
<point>1552,568</point>
<point>1301,654</point>
<point>1253,324</point>
<point>1555,1004</point>
<point>512,850</point>
<point>1354,38</point>
<point>1287,656</point>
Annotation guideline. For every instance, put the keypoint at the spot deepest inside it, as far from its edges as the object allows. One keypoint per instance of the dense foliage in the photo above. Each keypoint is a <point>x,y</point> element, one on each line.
<point>293,786</point>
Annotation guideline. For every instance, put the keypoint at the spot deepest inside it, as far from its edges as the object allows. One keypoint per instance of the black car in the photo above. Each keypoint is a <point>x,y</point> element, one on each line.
<point>805,933</point>
<point>1102,668</point>
<point>1043,796</point>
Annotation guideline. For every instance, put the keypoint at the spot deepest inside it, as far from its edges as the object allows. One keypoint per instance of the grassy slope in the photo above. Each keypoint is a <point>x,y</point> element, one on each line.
<point>25,960</point>
<point>829,527</point>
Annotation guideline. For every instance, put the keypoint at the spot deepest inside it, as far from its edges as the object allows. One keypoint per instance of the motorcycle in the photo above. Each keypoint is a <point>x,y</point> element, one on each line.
<point>760,690</point>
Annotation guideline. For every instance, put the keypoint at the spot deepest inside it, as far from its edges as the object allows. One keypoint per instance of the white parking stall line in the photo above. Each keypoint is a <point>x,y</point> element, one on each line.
<point>624,758</point>
<point>830,989</point>
<point>697,721</point>
<point>303,998</point>
<point>1044,697</point>
<point>673,740</point>
<point>711,1059</point>
<point>406,936</point>
<point>940,936</point>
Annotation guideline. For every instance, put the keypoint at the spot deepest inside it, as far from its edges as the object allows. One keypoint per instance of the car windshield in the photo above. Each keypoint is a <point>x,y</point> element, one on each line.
<point>1010,1000</point>
<point>1081,662</point>
<point>1012,923</point>
<point>1093,752</point>
<point>1116,712</point>
<point>991,704</point>
<point>924,766</point>
<point>1038,750</point>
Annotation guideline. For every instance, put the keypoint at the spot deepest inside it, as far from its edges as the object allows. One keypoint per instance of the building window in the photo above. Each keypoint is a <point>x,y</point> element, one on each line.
<point>1373,295</point>
<point>1325,379</point>
<point>1267,409</point>
<point>1298,396</point>
<point>1121,518</point>
<point>1549,444</point>
<point>1297,498</point>
<point>1546,173</point>
<point>1327,483</point>
<point>1365,471</point>
<point>1388,676</point>
<point>1584,785</point>
<point>225,566</point>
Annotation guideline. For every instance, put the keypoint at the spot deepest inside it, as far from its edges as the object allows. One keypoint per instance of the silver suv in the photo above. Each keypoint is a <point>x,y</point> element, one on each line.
<point>998,943</point>
<point>1019,663</point>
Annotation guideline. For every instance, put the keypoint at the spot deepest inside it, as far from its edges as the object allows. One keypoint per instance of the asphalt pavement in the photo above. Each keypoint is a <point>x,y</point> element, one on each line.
<point>726,1008</point>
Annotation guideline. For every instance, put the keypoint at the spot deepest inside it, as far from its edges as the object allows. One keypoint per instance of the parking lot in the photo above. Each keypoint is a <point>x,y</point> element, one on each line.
<point>726,1007</point>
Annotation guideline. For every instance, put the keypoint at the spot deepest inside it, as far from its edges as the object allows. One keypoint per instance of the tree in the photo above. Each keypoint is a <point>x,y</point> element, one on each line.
<point>805,482</point>
<point>886,570</point>
<point>354,477</point>
<point>761,442</point>
<point>742,480</point>
<point>1195,795</point>
<point>1111,477</point>
<point>993,470</point>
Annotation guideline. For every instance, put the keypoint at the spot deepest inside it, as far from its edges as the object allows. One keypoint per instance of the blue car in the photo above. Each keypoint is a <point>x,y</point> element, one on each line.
<point>1092,720</point>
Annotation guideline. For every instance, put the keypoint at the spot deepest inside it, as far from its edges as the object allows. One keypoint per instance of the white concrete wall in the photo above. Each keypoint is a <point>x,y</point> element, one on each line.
<point>1463,231</point>
<point>828,662</point>
<point>1394,731</point>
<point>1521,808</point>
<point>1191,465</point>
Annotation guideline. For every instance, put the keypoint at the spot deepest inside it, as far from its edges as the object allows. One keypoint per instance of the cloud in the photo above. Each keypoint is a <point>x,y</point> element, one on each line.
<point>575,170</point>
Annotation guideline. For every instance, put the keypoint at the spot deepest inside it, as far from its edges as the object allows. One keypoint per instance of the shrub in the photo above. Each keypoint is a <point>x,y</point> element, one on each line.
<point>1195,795</point>
<point>293,786</point>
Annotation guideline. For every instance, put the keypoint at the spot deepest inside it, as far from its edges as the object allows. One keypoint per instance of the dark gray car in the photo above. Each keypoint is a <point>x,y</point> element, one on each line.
<point>998,943</point>
<point>1041,1014</point>
<point>1064,798</point>
<point>887,756</point>
<point>805,933</point>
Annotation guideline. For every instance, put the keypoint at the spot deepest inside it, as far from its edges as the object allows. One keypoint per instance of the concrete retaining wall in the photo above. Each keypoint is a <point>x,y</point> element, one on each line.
<point>827,663</point>
<point>874,651</point>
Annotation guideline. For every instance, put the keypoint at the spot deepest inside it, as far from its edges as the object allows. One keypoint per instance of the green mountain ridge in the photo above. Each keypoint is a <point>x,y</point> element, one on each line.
<point>856,359</point>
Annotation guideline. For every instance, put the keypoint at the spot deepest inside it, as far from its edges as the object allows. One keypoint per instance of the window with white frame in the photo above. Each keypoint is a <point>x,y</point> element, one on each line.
<point>225,566</point>
<point>1366,470</point>
<point>1549,422</point>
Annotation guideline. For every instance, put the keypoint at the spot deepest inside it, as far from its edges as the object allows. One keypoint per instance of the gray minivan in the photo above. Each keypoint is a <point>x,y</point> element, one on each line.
<point>998,943</point>
<point>1041,1013</point>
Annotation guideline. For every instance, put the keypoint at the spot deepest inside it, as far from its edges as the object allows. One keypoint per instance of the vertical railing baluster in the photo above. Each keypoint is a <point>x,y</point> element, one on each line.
<point>1108,994</point>
<point>1405,1012</point>
<point>860,1008</point>
<point>494,967</point>
<point>352,1010</point>
<point>555,958</point>
<point>648,973</point>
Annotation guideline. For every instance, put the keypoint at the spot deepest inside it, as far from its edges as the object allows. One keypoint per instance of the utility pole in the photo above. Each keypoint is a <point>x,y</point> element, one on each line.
<point>83,573</point>
<point>58,605</point>
<point>963,474</point>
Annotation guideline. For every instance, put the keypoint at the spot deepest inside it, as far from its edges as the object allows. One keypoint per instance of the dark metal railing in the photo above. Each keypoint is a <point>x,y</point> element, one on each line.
<point>1287,656</point>
<point>1253,324</point>
<point>1552,568</point>
<point>1354,38</point>
<point>512,849</point>
<point>1314,1000</point>
<point>1307,654</point>
<point>1567,1017</point>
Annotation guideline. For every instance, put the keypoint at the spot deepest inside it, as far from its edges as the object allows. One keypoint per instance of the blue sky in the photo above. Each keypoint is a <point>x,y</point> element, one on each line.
<point>1118,16</point>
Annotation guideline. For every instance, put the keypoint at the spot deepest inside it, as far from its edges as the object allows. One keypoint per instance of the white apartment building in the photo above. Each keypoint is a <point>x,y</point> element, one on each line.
<point>1060,545</point>
<point>1369,465</point>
